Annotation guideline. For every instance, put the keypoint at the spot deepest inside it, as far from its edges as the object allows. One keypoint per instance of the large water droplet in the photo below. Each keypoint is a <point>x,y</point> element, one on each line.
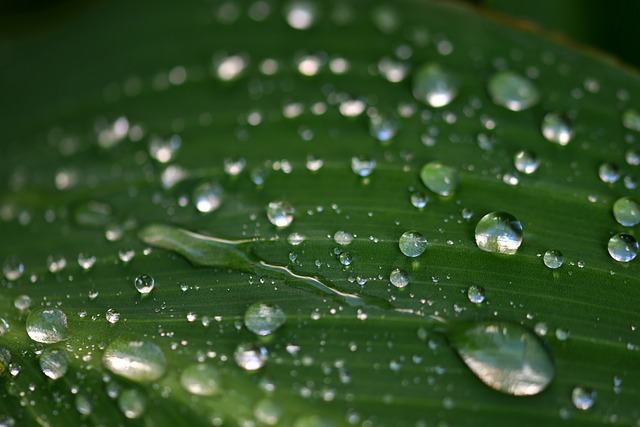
<point>54,363</point>
<point>434,86</point>
<point>132,403</point>
<point>399,278</point>
<point>623,247</point>
<point>208,196</point>
<point>499,232</point>
<point>505,356</point>
<point>263,318</point>
<point>363,165</point>
<point>583,398</point>
<point>553,259</point>
<point>12,268</point>
<point>47,325</point>
<point>557,129</point>
<point>627,211</point>
<point>250,357</point>
<point>136,360</point>
<point>144,284</point>
<point>412,243</point>
<point>439,178</point>
<point>383,127</point>
<point>280,213</point>
<point>201,380</point>
<point>526,161</point>
<point>513,91</point>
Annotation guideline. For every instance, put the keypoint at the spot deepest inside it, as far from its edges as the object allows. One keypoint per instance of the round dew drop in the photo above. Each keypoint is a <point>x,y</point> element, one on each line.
<point>208,196</point>
<point>412,243</point>
<point>54,363</point>
<point>557,129</point>
<point>343,238</point>
<point>513,91</point>
<point>553,259</point>
<point>476,294</point>
<point>264,319</point>
<point>280,213</point>
<point>345,258</point>
<point>132,403</point>
<point>583,398</point>
<point>623,247</point>
<point>363,166</point>
<point>627,211</point>
<point>383,127</point>
<point>439,178</point>
<point>526,161</point>
<point>250,357</point>
<point>631,119</point>
<point>399,278</point>
<point>47,325</point>
<point>144,284</point>
<point>499,232</point>
<point>434,86</point>
<point>608,173</point>
<point>201,380</point>
<point>140,361</point>
<point>12,268</point>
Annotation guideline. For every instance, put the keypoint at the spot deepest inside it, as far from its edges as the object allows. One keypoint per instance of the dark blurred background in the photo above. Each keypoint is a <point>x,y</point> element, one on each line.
<point>607,25</point>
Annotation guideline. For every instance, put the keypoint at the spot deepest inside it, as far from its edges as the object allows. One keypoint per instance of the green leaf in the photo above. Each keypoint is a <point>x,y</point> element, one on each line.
<point>112,123</point>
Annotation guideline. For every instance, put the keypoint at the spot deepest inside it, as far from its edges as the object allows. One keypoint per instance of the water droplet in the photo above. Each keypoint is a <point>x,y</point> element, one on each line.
<point>164,150</point>
<point>139,361</point>
<point>5,359</point>
<point>296,239</point>
<point>264,318</point>
<point>345,258</point>
<point>434,86</point>
<point>526,161</point>
<point>54,363</point>
<point>399,278</point>
<point>267,411</point>
<point>144,284</point>
<point>201,380</point>
<point>112,316</point>
<point>56,263</point>
<point>280,213</point>
<point>22,302</point>
<point>234,166</point>
<point>419,199</point>
<point>631,119</point>
<point>475,294</point>
<point>86,261</point>
<point>623,247</point>
<point>583,398</point>
<point>363,165</point>
<point>383,127</point>
<point>505,356</point>
<point>553,259</point>
<point>93,214</point>
<point>632,156</point>
<point>250,357</point>
<point>499,232</point>
<point>627,211</point>
<point>312,421</point>
<point>208,196</point>
<point>609,173</point>
<point>229,68</point>
<point>4,326</point>
<point>301,14</point>
<point>412,243</point>
<point>83,404</point>
<point>556,128</point>
<point>12,268</point>
<point>132,403</point>
<point>343,238</point>
<point>513,91</point>
<point>126,255</point>
<point>47,325</point>
<point>439,178</point>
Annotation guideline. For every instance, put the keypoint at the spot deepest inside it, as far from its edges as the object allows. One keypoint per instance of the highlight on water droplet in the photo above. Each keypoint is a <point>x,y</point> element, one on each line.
<point>526,161</point>
<point>419,199</point>
<point>557,128</point>
<point>583,398</point>
<point>499,232</point>
<point>208,196</point>
<point>439,178</point>
<point>54,363</point>
<point>136,360</point>
<point>144,283</point>
<point>553,259</point>
<point>47,325</point>
<point>412,243</point>
<point>434,86</point>
<point>476,294</point>
<point>280,213</point>
<point>263,318</point>
<point>250,357</point>
<point>300,14</point>
<point>623,247</point>
<point>201,380</point>
<point>399,278</point>
<point>505,356</point>
<point>626,211</point>
<point>513,91</point>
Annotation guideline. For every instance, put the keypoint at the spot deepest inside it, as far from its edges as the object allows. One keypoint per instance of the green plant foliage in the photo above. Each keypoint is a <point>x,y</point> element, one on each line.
<point>215,155</point>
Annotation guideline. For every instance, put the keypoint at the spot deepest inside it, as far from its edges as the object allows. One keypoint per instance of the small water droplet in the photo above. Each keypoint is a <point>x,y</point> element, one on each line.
<point>383,127</point>
<point>553,259</point>
<point>343,238</point>
<point>631,119</point>
<point>22,302</point>
<point>280,213</point>
<point>263,318</point>
<point>144,284</point>
<point>56,263</point>
<point>583,398</point>
<point>250,357</point>
<point>201,380</point>
<point>132,403</point>
<point>54,363</point>
<point>412,243</point>
<point>164,150</point>
<point>112,316</point>
<point>345,258</point>
<point>439,178</point>
<point>86,261</point>
<point>419,199</point>
<point>632,156</point>
<point>556,128</point>
<point>623,247</point>
<point>126,255</point>
<point>499,232</point>
<point>434,86</point>
<point>140,361</point>
<point>609,173</point>
<point>207,197</point>
<point>475,294</point>
<point>47,325</point>
<point>296,239</point>
<point>83,404</point>
<point>363,165</point>
<point>267,411</point>
<point>526,161</point>
<point>627,211</point>
<point>513,91</point>
<point>12,268</point>
<point>233,166</point>
<point>300,14</point>
<point>399,278</point>
<point>505,356</point>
